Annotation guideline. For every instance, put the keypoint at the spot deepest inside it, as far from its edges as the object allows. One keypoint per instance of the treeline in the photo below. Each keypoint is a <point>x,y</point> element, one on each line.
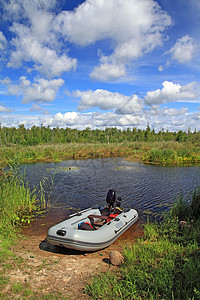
<point>37,135</point>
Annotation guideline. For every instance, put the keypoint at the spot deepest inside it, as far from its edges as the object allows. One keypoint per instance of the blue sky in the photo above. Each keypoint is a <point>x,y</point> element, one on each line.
<point>100,63</point>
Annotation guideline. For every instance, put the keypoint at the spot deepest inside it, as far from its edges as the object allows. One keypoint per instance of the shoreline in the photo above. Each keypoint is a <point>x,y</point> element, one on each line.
<point>164,154</point>
<point>58,271</point>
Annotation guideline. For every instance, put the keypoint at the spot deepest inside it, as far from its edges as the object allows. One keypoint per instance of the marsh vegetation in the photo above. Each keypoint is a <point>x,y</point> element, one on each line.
<point>57,144</point>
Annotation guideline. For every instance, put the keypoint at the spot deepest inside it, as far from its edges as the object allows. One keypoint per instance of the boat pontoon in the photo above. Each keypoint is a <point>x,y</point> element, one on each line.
<point>93,228</point>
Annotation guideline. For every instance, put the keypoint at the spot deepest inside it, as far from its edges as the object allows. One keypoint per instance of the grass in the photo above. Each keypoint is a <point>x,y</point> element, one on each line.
<point>154,152</point>
<point>164,264</point>
<point>173,154</point>
<point>17,202</point>
<point>61,152</point>
<point>18,205</point>
<point>24,291</point>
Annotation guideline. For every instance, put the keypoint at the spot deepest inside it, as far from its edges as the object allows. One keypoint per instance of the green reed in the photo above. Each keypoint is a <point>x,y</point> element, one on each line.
<point>59,152</point>
<point>164,264</point>
<point>164,152</point>
<point>17,202</point>
<point>174,155</point>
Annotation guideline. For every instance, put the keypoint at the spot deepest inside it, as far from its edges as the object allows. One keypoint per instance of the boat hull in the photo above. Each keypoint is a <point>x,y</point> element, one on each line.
<point>90,240</point>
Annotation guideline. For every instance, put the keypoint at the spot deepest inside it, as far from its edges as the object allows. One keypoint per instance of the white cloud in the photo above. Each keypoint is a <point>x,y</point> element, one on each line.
<point>6,81</point>
<point>135,27</point>
<point>174,92</point>
<point>3,41</point>
<point>42,90</point>
<point>34,39</point>
<point>171,119</point>
<point>69,118</point>
<point>184,49</point>
<point>37,108</point>
<point>108,72</point>
<point>29,49</point>
<point>41,25</point>
<point>174,112</point>
<point>115,19</point>
<point>23,9</point>
<point>93,120</point>
<point>107,100</point>
<point>4,109</point>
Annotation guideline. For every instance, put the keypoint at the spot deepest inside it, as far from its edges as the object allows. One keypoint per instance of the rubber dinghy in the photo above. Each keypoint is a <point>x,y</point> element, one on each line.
<point>93,228</point>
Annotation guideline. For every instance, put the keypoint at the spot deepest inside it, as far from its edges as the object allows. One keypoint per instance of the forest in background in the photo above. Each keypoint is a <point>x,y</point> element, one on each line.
<point>38,135</point>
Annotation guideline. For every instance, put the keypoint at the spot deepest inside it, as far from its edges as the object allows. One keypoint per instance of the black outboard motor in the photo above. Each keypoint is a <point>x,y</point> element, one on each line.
<point>118,201</point>
<point>110,198</point>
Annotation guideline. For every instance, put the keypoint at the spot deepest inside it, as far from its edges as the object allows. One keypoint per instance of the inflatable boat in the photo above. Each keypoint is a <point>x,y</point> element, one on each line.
<point>93,228</point>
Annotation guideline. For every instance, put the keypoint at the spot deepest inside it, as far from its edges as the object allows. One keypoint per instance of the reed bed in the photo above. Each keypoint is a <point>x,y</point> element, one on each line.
<point>61,152</point>
<point>17,203</point>
<point>174,153</point>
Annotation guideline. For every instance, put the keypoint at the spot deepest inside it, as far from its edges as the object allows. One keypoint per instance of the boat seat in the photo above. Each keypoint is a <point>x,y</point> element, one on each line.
<point>100,217</point>
<point>98,223</point>
<point>102,220</point>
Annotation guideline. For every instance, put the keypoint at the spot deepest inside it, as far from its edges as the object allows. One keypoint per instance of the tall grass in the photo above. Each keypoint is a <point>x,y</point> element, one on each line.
<point>61,152</point>
<point>180,154</point>
<point>17,202</point>
<point>164,264</point>
<point>150,152</point>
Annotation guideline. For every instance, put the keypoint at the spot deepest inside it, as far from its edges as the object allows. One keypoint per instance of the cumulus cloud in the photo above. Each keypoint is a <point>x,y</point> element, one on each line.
<point>174,92</point>
<point>135,27</point>
<point>107,100</point>
<point>108,72</point>
<point>171,119</point>
<point>34,39</point>
<point>174,112</point>
<point>99,120</point>
<point>69,118</point>
<point>184,49</point>
<point>42,90</point>
<point>21,9</point>
<point>29,49</point>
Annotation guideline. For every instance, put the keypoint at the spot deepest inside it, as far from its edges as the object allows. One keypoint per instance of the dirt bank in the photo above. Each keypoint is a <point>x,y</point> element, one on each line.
<point>47,269</point>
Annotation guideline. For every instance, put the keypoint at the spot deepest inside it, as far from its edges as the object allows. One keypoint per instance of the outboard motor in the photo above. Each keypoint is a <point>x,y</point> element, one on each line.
<point>110,198</point>
<point>118,201</point>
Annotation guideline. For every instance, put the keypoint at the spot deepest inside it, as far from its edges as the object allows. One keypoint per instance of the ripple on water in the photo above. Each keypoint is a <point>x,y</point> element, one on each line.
<point>82,183</point>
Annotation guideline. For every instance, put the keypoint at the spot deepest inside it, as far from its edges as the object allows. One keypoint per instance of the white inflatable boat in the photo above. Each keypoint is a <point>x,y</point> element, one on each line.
<point>92,229</point>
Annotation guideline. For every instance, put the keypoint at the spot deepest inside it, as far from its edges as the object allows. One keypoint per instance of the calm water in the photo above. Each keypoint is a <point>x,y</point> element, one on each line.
<point>82,183</point>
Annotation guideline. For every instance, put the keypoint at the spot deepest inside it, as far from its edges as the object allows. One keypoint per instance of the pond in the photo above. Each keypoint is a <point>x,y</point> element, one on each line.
<point>78,184</point>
